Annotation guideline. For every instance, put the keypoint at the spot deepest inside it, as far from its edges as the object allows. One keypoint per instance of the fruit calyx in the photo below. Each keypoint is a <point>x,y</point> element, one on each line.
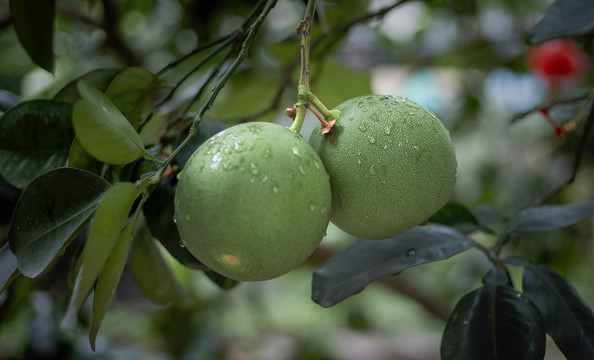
<point>308,100</point>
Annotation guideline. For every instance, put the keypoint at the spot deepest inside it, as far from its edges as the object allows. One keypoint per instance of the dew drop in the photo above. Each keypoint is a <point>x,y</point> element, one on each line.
<point>275,189</point>
<point>385,147</point>
<point>362,127</point>
<point>178,176</point>
<point>301,170</point>
<point>360,104</point>
<point>371,139</point>
<point>411,252</point>
<point>295,151</point>
<point>254,169</point>
<point>174,220</point>
<point>375,117</point>
<point>182,244</point>
<point>316,165</point>
<point>359,161</point>
<point>312,207</point>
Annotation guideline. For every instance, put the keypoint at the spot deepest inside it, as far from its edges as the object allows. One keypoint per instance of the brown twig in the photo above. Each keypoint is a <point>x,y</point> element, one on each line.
<point>548,105</point>
<point>339,29</point>
<point>577,159</point>
<point>113,39</point>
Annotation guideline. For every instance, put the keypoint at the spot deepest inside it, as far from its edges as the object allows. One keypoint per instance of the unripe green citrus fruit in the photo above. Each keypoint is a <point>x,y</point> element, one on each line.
<point>253,201</point>
<point>391,164</point>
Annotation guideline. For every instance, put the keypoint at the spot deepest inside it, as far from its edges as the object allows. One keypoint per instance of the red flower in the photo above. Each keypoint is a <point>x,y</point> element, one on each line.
<point>558,61</point>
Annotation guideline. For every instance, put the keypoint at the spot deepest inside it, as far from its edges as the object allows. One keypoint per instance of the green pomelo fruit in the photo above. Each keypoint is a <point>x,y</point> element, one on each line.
<point>391,164</point>
<point>253,201</point>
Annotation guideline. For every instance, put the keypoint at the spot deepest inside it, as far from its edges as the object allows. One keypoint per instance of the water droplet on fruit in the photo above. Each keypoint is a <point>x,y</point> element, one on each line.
<point>323,210</point>
<point>312,207</point>
<point>182,244</point>
<point>388,128</point>
<point>375,117</point>
<point>239,147</point>
<point>295,151</point>
<point>275,189</point>
<point>228,150</point>
<point>254,169</point>
<point>301,170</point>
<point>187,217</point>
<point>362,127</point>
<point>385,97</point>
<point>371,139</point>
<point>360,104</point>
<point>359,161</point>
<point>385,147</point>
<point>174,220</point>
<point>400,99</point>
<point>411,252</point>
<point>316,165</point>
<point>178,176</point>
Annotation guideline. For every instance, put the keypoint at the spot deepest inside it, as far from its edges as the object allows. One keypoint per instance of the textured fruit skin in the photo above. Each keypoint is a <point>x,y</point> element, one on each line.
<point>391,165</point>
<point>253,201</point>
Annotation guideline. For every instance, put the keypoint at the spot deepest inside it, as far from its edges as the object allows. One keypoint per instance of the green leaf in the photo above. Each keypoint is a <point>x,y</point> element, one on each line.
<point>108,279</point>
<point>105,229</point>
<point>494,322</point>
<point>129,91</point>
<point>102,130</point>
<point>49,213</point>
<point>153,274</point>
<point>551,217</point>
<point>34,24</point>
<point>568,320</point>
<point>99,78</point>
<point>81,159</point>
<point>350,271</point>
<point>564,18</point>
<point>35,137</point>
<point>458,216</point>
<point>8,267</point>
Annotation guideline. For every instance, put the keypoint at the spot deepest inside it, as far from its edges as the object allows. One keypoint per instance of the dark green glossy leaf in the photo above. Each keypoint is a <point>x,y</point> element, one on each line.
<point>223,282</point>
<point>494,323</point>
<point>109,278</point>
<point>153,274</point>
<point>81,159</point>
<point>35,137</point>
<point>551,217</point>
<point>159,211</point>
<point>129,91</point>
<point>48,214</point>
<point>568,319</point>
<point>456,215</point>
<point>207,128</point>
<point>350,271</point>
<point>497,276</point>
<point>105,229</point>
<point>34,24</point>
<point>8,267</point>
<point>99,78</point>
<point>102,130</point>
<point>564,18</point>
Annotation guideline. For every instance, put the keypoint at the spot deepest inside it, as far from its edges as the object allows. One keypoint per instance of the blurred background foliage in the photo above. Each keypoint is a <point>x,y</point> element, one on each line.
<point>465,60</point>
